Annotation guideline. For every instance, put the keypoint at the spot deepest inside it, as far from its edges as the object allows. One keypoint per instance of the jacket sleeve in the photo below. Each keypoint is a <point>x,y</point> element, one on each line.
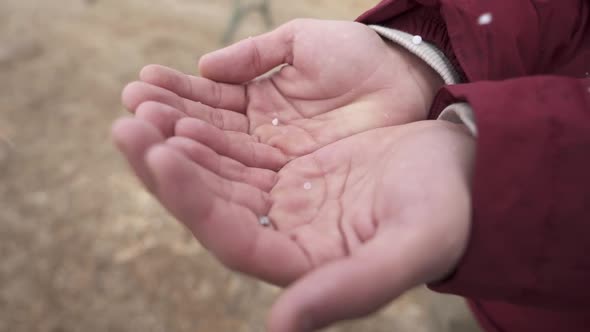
<point>530,234</point>
<point>524,37</point>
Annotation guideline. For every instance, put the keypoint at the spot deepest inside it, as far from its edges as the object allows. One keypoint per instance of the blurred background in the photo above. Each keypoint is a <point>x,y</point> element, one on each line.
<point>82,246</point>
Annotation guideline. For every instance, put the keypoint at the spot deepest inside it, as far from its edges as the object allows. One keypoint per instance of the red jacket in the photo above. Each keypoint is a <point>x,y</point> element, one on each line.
<point>527,265</point>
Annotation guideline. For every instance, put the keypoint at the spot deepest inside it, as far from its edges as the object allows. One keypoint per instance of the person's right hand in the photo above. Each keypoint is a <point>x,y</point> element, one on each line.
<point>356,223</point>
<point>340,78</point>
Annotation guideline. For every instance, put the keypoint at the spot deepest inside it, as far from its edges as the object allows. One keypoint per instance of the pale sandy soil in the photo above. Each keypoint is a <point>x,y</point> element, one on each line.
<point>82,247</point>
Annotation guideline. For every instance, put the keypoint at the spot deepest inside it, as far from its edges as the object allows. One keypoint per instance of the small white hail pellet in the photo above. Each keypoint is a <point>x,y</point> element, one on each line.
<point>485,18</point>
<point>264,221</point>
<point>275,122</point>
<point>417,40</point>
<point>307,185</point>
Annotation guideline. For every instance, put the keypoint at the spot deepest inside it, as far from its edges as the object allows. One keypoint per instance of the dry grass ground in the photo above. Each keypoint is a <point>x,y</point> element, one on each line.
<point>82,247</point>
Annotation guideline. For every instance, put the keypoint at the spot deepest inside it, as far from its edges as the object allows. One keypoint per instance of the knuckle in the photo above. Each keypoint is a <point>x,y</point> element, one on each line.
<point>217,119</point>
<point>184,81</point>
<point>217,94</point>
<point>256,57</point>
<point>253,154</point>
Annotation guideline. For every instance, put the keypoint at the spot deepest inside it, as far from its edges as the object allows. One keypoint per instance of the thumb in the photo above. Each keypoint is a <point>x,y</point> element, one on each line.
<point>352,287</point>
<point>249,58</point>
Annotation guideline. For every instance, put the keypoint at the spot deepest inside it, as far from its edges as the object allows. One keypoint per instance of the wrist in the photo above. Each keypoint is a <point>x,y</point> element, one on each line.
<point>426,80</point>
<point>462,146</point>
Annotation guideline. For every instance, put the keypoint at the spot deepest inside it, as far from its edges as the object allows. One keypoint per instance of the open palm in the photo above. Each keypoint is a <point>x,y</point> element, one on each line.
<point>370,207</point>
<point>337,79</point>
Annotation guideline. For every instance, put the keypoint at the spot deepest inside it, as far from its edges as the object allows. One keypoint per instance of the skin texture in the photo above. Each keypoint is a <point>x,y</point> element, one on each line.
<point>324,90</point>
<point>375,212</point>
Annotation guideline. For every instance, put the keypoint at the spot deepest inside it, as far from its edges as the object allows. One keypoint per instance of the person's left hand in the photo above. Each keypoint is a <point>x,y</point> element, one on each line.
<point>338,79</point>
<point>355,223</point>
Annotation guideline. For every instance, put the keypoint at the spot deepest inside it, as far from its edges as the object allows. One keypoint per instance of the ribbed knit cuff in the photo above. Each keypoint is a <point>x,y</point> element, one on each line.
<point>460,113</point>
<point>429,53</point>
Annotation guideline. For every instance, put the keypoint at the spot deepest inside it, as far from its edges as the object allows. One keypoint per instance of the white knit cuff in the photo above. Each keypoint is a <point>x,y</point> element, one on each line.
<point>460,113</point>
<point>424,50</point>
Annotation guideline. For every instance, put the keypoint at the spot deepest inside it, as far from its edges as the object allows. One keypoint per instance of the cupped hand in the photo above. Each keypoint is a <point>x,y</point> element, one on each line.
<point>353,224</point>
<point>331,79</point>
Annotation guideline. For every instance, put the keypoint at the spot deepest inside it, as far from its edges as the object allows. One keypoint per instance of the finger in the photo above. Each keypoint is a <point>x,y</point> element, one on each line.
<point>238,193</point>
<point>227,228</point>
<point>161,116</point>
<point>238,146</point>
<point>133,138</point>
<point>137,93</point>
<point>225,167</point>
<point>348,288</point>
<point>250,58</point>
<point>217,95</point>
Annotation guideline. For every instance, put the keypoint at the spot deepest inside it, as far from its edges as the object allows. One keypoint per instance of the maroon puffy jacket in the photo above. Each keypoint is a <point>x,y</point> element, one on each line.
<point>527,74</point>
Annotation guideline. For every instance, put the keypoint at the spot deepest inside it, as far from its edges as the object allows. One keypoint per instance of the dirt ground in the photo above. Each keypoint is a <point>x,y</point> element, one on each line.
<point>82,247</point>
